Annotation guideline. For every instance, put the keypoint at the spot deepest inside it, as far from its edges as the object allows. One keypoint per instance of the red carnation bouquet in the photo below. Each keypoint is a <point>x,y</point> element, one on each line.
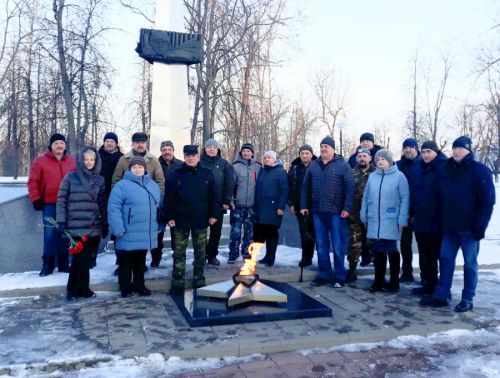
<point>74,246</point>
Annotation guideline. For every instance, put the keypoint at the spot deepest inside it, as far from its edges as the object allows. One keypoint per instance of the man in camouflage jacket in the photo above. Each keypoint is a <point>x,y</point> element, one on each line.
<point>358,244</point>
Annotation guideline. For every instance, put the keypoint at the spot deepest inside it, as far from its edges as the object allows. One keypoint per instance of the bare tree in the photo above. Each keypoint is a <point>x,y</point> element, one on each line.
<point>435,100</point>
<point>332,98</point>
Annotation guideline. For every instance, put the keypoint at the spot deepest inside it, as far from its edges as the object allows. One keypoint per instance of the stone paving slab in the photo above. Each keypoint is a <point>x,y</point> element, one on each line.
<point>138,326</point>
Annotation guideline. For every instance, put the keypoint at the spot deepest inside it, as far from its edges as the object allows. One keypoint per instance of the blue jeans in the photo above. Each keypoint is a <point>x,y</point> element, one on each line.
<point>452,241</point>
<point>326,226</point>
<point>53,243</point>
<point>240,217</point>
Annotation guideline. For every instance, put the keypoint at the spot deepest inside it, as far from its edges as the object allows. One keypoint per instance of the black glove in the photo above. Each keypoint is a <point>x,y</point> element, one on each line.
<point>60,227</point>
<point>104,231</point>
<point>38,205</point>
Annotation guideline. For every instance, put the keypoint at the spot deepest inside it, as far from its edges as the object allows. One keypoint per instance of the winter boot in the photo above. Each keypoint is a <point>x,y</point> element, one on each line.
<point>351,273</point>
<point>394,261</point>
<point>380,263</point>
<point>307,253</point>
<point>47,267</point>
<point>271,247</point>
<point>62,262</point>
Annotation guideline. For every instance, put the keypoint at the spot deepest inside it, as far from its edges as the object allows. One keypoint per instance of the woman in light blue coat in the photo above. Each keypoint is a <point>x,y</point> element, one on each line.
<point>384,211</point>
<point>132,217</point>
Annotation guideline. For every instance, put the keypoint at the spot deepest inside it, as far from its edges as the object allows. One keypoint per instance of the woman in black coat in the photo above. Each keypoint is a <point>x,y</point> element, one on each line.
<point>81,211</point>
<point>271,193</point>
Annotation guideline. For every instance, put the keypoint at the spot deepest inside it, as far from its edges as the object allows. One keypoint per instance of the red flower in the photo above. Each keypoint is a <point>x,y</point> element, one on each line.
<point>84,238</point>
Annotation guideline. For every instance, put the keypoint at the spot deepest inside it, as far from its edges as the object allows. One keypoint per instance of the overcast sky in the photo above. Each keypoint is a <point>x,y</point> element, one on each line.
<point>370,44</point>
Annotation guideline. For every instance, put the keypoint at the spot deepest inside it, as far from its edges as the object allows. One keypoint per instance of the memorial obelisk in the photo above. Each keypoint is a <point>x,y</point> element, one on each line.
<point>170,102</point>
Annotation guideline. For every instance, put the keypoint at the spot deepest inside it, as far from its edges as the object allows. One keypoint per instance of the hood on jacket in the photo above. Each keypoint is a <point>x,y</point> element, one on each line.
<point>80,165</point>
<point>392,169</point>
<point>139,179</point>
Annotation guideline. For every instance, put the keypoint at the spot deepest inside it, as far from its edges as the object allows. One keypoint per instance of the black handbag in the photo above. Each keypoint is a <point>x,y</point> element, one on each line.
<point>161,215</point>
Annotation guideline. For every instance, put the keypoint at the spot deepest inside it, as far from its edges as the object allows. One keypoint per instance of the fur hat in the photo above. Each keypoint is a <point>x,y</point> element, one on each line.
<point>139,137</point>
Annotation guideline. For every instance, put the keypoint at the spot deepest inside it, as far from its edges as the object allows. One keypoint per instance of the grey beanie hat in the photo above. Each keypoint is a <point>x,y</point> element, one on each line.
<point>386,154</point>
<point>211,142</point>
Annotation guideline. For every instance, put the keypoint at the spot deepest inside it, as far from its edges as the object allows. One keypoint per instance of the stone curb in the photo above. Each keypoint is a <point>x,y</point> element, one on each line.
<point>163,285</point>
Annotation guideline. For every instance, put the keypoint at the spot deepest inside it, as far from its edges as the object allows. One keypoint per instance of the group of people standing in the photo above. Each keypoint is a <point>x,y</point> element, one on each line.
<point>359,208</point>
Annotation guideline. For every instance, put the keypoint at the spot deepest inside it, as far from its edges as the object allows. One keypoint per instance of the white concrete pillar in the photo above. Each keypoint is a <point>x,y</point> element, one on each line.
<point>170,103</point>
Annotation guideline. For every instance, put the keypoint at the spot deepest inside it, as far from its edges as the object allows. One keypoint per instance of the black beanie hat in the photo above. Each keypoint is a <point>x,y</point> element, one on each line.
<point>367,136</point>
<point>463,141</point>
<point>328,140</point>
<point>110,135</point>
<point>56,136</point>
<point>430,145</point>
<point>139,137</point>
<point>248,146</point>
<point>306,147</point>
<point>410,142</point>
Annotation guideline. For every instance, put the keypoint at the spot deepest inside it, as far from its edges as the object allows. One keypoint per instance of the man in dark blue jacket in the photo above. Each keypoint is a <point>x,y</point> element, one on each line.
<point>329,184</point>
<point>224,187</point>
<point>410,166</point>
<point>427,215</point>
<point>190,203</point>
<point>467,197</point>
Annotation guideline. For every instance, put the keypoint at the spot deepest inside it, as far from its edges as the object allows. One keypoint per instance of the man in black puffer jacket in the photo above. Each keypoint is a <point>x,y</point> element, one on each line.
<point>224,186</point>
<point>296,174</point>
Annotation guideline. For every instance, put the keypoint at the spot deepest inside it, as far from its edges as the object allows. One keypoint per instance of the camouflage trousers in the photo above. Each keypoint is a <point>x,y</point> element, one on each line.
<point>357,241</point>
<point>240,218</point>
<point>199,238</point>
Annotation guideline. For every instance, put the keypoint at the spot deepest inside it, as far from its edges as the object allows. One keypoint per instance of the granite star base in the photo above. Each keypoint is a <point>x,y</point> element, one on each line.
<point>203,311</point>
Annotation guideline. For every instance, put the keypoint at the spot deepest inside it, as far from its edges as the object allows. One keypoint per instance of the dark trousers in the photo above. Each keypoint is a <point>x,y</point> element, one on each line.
<point>214,238</point>
<point>429,248</point>
<point>269,234</point>
<point>54,245</point>
<point>406,252</point>
<point>307,240</point>
<point>131,270</point>
<point>79,276</point>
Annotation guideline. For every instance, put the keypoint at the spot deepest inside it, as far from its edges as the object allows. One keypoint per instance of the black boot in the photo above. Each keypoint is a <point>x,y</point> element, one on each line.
<point>156,254</point>
<point>380,263</point>
<point>271,247</point>
<point>394,261</point>
<point>47,267</point>
<point>307,253</point>
<point>62,262</point>
<point>351,273</point>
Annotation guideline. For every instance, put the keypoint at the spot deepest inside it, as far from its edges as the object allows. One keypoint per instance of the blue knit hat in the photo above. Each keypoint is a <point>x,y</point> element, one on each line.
<point>463,141</point>
<point>410,142</point>
<point>328,140</point>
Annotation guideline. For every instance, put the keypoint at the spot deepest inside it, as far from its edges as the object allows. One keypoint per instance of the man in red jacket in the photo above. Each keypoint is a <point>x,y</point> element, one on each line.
<point>47,173</point>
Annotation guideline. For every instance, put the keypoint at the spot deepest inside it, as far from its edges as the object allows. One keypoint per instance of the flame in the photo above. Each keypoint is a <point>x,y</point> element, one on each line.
<point>248,267</point>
